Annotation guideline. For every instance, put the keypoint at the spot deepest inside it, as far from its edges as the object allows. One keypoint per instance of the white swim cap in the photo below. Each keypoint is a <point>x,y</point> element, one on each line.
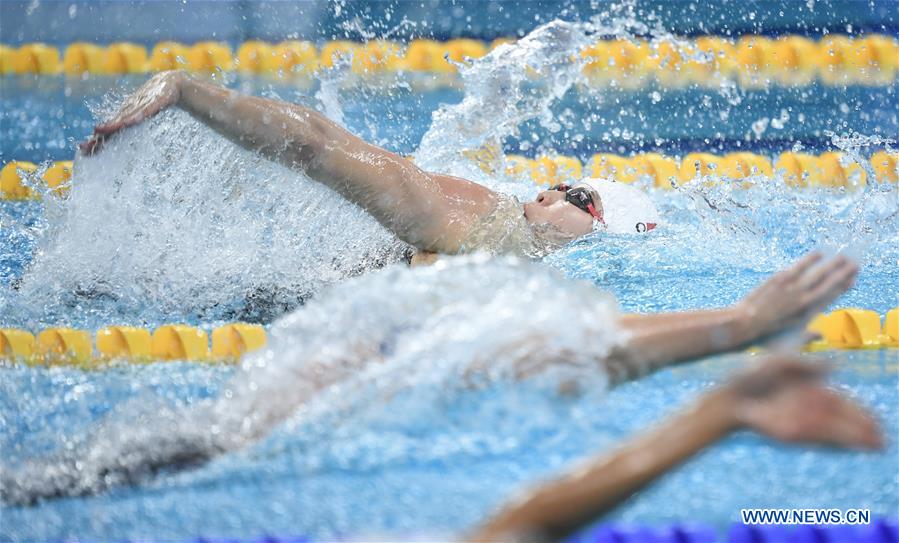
<point>625,209</point>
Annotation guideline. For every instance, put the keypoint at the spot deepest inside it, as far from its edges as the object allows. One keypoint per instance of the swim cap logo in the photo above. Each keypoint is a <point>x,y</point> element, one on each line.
<point>645,226</point>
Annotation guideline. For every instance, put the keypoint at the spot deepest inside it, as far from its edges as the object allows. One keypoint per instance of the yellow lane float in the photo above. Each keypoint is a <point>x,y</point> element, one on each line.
<point>696,165</point>
<point>7,60</point>
<point>828,170</point>
<point>253,56</point>
<point>63,346</point>
<point>11,186</point>
<point>847,328</point>
<point>613,166</point>
<point>210,56</point>
<point>376,57</point>
<point>16,344</point>
<point>179,342</point>
<point>335,52</point>
<point>712,59</point>
<point>36,58</point>
<point>890,335</point>
<point>125,58</point>
<point>835,174</point>
<point>58,175</point>
<point>661,169</point>
<point>169,55</point>
<point>886,166</point>
<point>84,58</point>
<point>125,342</point>
<point>850,328</point>
<point>792,61</point>
<point>292,58</point>
<point>232,341</point>
<point>754,61</point>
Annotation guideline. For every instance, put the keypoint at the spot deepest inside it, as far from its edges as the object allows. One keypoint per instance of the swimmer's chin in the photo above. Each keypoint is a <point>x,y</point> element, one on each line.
<point>548,231</point>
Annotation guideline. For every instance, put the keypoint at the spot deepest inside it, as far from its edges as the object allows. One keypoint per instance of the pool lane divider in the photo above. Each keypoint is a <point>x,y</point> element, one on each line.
<point>55,176</point>
<point>74,347</point>
<point>880,530</point>
<point>798,170</point>
<point>854,328</point>
<point>754,61</point>
<point>849,328</point>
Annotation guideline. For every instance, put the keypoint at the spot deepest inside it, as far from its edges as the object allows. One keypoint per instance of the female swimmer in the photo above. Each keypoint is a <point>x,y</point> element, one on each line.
<point>432,212</point>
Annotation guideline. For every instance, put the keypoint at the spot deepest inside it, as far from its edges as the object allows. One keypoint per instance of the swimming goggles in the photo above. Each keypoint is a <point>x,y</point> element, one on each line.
<point>581,198</point>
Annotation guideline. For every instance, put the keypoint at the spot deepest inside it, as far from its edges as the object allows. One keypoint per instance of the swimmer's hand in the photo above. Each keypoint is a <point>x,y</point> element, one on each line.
<point>789,298</point>
<point>161,91</point>
<point>785,399</point>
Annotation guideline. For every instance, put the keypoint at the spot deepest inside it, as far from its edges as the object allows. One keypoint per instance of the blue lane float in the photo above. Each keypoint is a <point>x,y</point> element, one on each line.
<point>879,531</point>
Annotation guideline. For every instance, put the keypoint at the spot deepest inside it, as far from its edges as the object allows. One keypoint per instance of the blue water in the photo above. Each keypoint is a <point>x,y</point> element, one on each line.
<point>385,472</point>
<point>419,456</point>
<point>44,117</point>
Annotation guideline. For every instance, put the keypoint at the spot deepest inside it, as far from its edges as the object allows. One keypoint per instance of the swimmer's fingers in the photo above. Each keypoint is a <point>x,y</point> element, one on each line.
<point>814,275</point>
<point>160,92</point>
<point>828,287</point>
<point>785,398</point>
<point>802,265</point>
<point>92,144</point>
<point>140,108</point>
<point>827,417</point>
<point>124,121</point>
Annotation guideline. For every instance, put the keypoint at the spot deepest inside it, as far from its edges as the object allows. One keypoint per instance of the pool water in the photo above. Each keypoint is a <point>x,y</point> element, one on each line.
<point>410,466</point>
<point>172,223</point>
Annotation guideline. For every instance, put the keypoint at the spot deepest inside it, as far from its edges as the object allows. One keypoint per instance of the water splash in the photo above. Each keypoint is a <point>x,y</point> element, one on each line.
<point>423,334</point>
<point>511,85</point>
<point>172,222</point>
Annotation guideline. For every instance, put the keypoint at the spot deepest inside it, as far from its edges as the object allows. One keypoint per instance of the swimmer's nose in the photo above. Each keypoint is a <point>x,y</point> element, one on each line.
<point>548,197</point>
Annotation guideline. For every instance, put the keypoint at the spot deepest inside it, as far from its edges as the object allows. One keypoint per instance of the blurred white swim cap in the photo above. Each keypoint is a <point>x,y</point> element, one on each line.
<point>625,209</point>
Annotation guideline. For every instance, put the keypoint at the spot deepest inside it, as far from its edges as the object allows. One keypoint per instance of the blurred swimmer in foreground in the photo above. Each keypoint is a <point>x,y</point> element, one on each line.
<point>782,398</point>
<point>398,328</point>
<point>432,212</point>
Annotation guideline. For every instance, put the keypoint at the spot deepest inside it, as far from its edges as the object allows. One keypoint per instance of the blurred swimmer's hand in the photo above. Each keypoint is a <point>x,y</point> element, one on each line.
<point>160,92</point>
<point>782,397</point>
<point>785,399</point>
<point>789,298</point>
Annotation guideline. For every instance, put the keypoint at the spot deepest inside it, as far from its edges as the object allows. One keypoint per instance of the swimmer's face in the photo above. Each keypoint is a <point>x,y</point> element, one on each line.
<point>551,208</point>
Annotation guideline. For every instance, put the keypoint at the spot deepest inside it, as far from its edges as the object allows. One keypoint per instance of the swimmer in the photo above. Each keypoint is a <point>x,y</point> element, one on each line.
<point>625,348</point>
<point>432,212</point>
<point>782,398</point>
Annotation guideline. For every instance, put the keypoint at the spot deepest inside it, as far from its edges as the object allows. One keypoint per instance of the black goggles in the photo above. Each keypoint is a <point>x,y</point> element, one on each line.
<point>581,198</point>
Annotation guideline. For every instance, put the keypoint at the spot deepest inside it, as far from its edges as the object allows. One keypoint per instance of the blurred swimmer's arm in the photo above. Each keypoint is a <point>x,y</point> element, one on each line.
<point>782,398</point>
<point>784,301</point>
<point>429,211</point>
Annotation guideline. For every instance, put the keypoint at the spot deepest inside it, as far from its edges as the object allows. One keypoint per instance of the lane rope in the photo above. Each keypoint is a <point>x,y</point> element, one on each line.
<point>842,329</point>
<point>23,180</point>
<point>753,61</point>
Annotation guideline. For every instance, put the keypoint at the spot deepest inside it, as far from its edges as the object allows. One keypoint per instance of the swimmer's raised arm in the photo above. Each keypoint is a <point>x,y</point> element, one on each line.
<point>784,301</point>
<point>781,398</point>
<point>429,211</point>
